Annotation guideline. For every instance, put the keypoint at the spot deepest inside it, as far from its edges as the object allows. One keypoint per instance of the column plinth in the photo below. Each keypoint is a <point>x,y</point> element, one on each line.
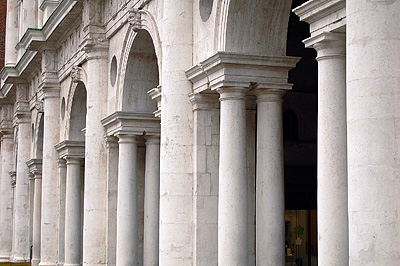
<point>232,208</point>
<point>127,235</point>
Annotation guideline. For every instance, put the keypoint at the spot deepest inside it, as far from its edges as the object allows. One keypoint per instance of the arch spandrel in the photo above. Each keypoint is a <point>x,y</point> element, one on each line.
<point>258,27</point>
<point>143,20</point>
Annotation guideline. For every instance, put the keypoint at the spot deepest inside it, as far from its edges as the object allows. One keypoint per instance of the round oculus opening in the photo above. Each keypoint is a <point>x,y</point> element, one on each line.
<point>113,71</point>
<point>205,7</point>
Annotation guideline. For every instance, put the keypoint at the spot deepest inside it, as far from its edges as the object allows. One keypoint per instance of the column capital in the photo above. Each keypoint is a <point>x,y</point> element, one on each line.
<point>327,44</point>
<point>203,101</point>
<point>111,141</point>
<point>61,163</point>
<point>152,139</point>
<point>127,138</point>
<point>273,93</point>
<point>232,93</point>
<point>73,160</point>
<point>35,167</point>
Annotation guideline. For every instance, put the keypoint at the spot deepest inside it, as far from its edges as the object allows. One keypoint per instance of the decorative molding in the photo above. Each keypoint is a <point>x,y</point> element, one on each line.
<point>13,175</point>
<point>76,74</point>
<point>204,101</point>
<point>135,19</point>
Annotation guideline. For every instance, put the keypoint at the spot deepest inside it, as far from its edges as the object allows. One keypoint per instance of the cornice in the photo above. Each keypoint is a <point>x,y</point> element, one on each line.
<point>239,70</point>
<point>70,148</point>
<point>314,10</point>
<point>131,124</point>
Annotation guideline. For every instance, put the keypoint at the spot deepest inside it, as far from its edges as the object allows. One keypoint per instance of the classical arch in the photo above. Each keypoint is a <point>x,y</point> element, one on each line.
<point>147,28</point>
<point>75,113</point>
<point>259,27</point>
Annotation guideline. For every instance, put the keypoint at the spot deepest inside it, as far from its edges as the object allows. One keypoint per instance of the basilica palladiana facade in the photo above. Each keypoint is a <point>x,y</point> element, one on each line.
<point>200,133</point>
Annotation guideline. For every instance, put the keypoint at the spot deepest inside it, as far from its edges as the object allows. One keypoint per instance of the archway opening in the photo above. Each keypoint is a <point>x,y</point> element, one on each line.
<point>141,75</point>
<point>78,114</point>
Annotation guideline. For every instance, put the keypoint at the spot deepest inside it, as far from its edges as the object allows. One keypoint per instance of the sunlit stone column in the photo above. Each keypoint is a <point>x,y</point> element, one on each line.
<point>35,167</point>
<point>151,201</point>
<point>11,40</point>
<point>7,146</point>
<point>232,203</point>
<point>73,212</point>
<point>21,247</point>
<point>127,202</point>
<point>373,116</point>
<point>333,245</point>
<point>270,198</point>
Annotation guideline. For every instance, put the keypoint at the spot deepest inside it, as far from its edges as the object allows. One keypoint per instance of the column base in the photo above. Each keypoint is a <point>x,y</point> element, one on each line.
<point>47,264</point>
<point>4,258</point>
<point>35,262</point>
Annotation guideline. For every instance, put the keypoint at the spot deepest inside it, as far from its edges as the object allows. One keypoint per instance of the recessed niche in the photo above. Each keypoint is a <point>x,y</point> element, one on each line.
<point>113,71</point>
<point>205,7</point>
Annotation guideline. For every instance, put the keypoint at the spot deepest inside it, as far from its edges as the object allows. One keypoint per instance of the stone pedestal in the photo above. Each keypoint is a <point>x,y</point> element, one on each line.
<point>232,207</point>
<point>127,235</point>
<point>270,198</point>
<point>333,245</point>
<point>7,145</point>
<point>151,201</point>
<point>373,100</point>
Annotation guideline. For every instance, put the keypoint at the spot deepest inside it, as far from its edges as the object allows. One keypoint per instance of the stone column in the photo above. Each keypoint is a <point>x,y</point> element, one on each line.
<point>21,249</point>
<point>232,203</point>
<point>62,177</point>
<point>73,212</point>
<point>28,16</point>
<point>333,245</point>
<point>127,235</point>
<point>95,205</point>
<point>49,93</point>
<point>10,56</point>
<point>112,193</point>
<point>151,201</point>
<point>7,148</point>
<point>373,115</point>
<point>176,163</point>
<point>37,205</point>
<point>270,197</point>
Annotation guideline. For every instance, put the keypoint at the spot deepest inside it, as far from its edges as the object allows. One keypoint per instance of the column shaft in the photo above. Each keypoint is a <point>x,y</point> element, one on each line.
<point>21,249</point>
<point>333,247</point>
<point>95,207</point>
<point>50,196</point>
<point>11,41</point>
<point>232,207</point>
<point>73,223</point>
<point>176,202</point>
<point>7,148</point>
<point>373,115</point>
<point>151,201</point>
<point>62,174</point>
<point>37,202</point>
<point>127,235</point>
<point>270,199</point>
